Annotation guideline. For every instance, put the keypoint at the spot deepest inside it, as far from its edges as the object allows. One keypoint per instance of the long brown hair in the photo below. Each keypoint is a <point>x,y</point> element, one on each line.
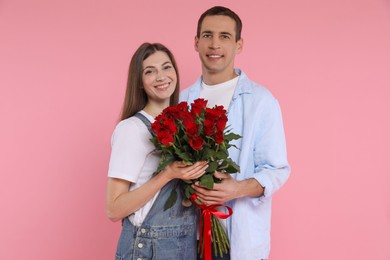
<point>135,97</point>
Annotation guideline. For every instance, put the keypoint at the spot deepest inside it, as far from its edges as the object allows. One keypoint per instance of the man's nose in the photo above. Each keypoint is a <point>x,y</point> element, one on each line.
<point>215,44</point>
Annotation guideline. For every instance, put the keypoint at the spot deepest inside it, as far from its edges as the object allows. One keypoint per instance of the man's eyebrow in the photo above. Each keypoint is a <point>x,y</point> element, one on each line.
<point>226,33</point>
<point>221,33</point>
<point>210,32</point>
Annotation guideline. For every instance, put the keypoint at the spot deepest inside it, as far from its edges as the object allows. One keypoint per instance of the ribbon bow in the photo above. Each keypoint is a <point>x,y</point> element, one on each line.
<point>207,211</point>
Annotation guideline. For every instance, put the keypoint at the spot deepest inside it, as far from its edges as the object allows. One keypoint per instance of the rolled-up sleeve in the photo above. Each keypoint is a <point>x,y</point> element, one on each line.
<point>270,157</point>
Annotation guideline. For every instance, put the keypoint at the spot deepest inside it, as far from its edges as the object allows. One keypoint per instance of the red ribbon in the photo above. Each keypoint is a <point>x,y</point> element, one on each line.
<point>207,211</point>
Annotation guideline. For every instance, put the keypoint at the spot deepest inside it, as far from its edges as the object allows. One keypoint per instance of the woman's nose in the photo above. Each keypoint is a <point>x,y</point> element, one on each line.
<point>160,75</point>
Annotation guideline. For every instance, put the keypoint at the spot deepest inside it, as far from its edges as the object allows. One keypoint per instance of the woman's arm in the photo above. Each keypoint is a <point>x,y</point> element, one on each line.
<point>120,202</point>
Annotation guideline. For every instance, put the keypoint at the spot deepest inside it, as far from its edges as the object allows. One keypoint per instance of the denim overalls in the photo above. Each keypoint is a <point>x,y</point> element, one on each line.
<point>163,235</point>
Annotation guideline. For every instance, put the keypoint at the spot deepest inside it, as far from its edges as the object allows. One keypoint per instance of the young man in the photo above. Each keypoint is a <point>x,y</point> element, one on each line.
<point>255,115</point>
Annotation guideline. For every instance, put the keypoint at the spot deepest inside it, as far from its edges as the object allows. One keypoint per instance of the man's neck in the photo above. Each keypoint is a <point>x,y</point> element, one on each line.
<point>217,78</point>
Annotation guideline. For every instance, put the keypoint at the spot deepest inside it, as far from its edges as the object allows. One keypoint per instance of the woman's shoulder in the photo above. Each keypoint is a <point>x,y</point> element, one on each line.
<point>131,125</point>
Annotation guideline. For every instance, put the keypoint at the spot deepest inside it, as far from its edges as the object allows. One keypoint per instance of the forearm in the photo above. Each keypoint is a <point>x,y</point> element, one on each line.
<point>249,188</point>
<point>128,202</point>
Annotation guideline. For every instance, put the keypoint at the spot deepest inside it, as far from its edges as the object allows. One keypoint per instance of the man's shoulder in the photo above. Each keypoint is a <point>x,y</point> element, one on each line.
<point>184,93</point>
<point>257,90</point>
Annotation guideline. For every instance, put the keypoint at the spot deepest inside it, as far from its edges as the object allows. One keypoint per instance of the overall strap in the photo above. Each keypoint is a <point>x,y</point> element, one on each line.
<point>145,121</point>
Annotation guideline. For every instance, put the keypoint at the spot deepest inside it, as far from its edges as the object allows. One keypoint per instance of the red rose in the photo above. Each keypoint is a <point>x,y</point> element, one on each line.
<point>220,109</point>
<point>170,125</point>
<point>165,138</point>
<point>191,127</point>
<point>161,117</point>
<point>214,113</point>
<point>208,127</point>
<point>182,107</point>
<point>196,143</point>
<point>174,112</point>
<point>156,127</point>
<point>219,137</point>
<point>171,112</point>
<point>198,106</point>
<point>221,123</point>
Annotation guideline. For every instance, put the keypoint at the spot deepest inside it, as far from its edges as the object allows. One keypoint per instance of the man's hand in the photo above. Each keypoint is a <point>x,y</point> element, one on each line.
<point>227,190</point>
<point>222,192</point>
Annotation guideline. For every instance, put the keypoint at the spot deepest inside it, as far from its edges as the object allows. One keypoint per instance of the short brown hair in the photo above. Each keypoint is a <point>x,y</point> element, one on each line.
<point>220,10</point>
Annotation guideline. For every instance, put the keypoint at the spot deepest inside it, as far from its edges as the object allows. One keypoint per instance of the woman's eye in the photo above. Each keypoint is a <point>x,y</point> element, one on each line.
<point>148,72</point>
<point>167,67</point>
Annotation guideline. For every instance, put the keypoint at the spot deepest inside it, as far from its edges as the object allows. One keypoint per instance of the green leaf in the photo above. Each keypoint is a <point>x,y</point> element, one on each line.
<point>182,155</point>
<point>232,145</point>
<point>207,154</point>
<point>232,136</point>
<point>188,191</point>
<point>207,181</point>
<point>164,162</point>
<point>221,155</point>
<point>171,200</point>
<point>232,166</point>
<point>212,167</point>
<point>223,165</point>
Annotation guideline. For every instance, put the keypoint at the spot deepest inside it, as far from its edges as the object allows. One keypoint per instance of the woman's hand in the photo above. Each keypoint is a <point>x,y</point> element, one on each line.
<point>179,170</point>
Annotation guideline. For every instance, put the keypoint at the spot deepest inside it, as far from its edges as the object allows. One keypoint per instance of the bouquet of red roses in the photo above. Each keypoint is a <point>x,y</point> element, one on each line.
<point>191,134</point>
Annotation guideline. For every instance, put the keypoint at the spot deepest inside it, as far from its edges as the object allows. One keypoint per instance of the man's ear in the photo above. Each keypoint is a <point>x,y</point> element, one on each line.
<point>240,45</point>
<point>196,43</point>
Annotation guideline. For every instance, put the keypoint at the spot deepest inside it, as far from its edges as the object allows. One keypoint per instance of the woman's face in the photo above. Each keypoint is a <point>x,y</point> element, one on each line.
<point>159,77</point>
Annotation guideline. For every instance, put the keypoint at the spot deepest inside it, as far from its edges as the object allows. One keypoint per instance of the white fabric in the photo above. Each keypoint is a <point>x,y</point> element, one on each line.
<point>133,158</point>
<point>219,94</point>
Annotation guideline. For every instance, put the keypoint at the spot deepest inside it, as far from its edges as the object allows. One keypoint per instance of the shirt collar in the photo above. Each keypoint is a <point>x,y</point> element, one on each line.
<point>243,87</point>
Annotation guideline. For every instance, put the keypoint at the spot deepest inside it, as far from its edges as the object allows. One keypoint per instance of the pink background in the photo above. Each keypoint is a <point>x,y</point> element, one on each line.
<point>63,67</point>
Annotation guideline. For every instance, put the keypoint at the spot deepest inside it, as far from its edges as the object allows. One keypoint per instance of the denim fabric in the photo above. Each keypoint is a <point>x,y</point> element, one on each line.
<point>218,257</point>
<point>164,235</point>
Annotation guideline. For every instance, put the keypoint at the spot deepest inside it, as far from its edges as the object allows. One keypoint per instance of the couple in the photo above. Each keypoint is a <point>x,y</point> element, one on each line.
<point>153,84</point>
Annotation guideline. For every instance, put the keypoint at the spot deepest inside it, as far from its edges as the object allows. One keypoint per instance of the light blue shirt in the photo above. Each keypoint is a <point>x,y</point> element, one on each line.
<point>255,115</point>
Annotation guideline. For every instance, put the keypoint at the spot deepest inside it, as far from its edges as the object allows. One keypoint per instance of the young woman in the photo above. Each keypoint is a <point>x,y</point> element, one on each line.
<point>134,194</point>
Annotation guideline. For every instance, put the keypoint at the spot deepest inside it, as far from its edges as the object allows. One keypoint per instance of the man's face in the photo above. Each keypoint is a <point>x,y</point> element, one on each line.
<point>217,46</point>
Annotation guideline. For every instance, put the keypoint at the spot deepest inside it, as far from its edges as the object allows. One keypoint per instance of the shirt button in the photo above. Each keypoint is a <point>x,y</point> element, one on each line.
<point>140,245</point>
<point>143,231</point>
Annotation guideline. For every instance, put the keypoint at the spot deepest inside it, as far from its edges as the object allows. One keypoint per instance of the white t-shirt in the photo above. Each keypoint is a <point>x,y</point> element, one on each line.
<point>133,158</point>
<point>219,94</point>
